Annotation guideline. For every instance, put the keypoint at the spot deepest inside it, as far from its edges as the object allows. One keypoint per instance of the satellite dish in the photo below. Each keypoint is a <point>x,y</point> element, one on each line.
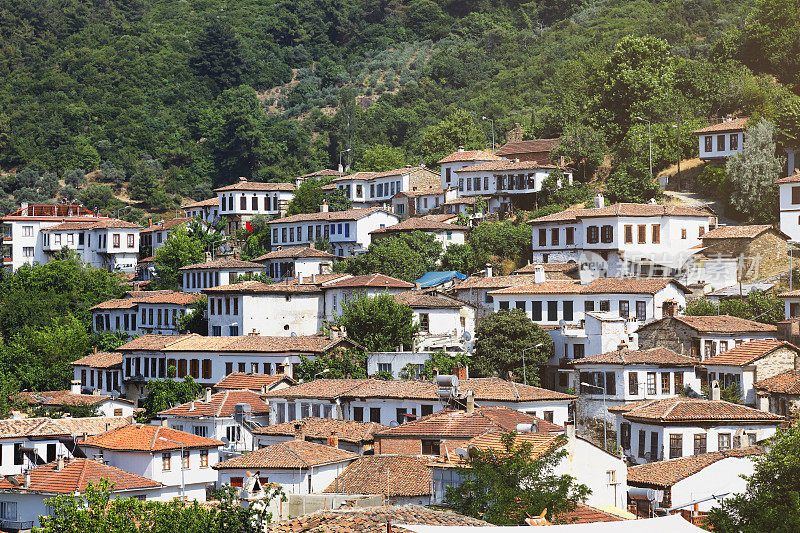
<point>467,336</point>
<point>293,334</point>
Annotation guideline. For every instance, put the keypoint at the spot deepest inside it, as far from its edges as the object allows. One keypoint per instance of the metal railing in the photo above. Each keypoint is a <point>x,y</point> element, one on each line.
<point>16,525</point>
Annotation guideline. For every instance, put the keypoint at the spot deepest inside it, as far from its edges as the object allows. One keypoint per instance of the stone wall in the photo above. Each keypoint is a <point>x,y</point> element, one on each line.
<point>667,333</point>
<point>780,360</point>
<point>763,256</point>
<point>423,179</point>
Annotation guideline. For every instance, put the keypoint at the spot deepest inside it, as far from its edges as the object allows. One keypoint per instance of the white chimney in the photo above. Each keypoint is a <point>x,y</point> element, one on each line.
<point>538,274</point>
<point>715,392</point>
<point>599,201</point>
<point>27,478</point>
<point>75,386</point>
<point>763,403</point>
<point>488,270</point>
<point>208,394</point>
<point>585,275</point>
<point>208,257</point>
<point>324,207</point>
<point>59,464</point>
<point>460,148</point>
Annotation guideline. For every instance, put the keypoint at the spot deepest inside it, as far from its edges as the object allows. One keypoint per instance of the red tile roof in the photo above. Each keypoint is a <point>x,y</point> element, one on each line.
<point>418,299</point>
<point>371,280</point>
<point>53,211</point>
<point>63,398</point>
<point>254,382</point>
<point>784,383</point>
<point>330,216</point>
<point>224,264</point>
<point>75,476</point>
<point>682,409</point>
<point>500,166</point>
<point>48,427</point>
<point>258,287</point>
<point>167,224</point>
<point>418,224</point>
<point>246,343</point>
<point>418,193</point>
<point>494,282</point>
<point>468,155</point>
<point>148,438</point>
<point>325,172</point>
<point>736,124</point>
<point>738,232</point>
<point>725,324</point>
<point>551,270</point>
<point>385,174</point>
<point>443,217</point>
<point>202,203</point>
<point>586,514</point>
<point>389,475</point>
<point>596,286</point>
<point>244,185</point>
<point>322,428</point>
<point>527,147</point>
<point>793,178</point>
<point>222,404</point>
<point>652,356</point>
<point>100,360</point>
<point>294,253</point>
<point>99,223</point>
<point>290,454</point>
<point>622,210</point>
<point>747,352</point>
<point>664,474</point>
<point>144,297</point>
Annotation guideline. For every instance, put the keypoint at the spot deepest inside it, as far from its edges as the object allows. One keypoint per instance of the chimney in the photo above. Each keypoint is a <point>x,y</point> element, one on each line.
<point>763,402</point>
<point>669,307</point>
<point>461,372</point>
<point>323,208</point>
<point>569,426</point>
<point>313,278</point>
<point>59,464</point>
<point>585,275</point>
<point>299,434</point>
<point>538,274</point>
<point>263,389</point>
<point>96,392</point>
<point>95,349</point>
<point>24,207</point>
<point>715,392</point>
<point>75,386</point>
<point>333,440</point>
<point>27,478</point>
<point>191,405</point>
<point>510,376</point>
<point>470,402</point>
<point>242,179</point>
<point>622,346</point>
<point>208,394</point>
<point>208,257</point>
<point>599,201</point>
<point>488,270</point>
<point>460,148</point>
<point>164,422</point>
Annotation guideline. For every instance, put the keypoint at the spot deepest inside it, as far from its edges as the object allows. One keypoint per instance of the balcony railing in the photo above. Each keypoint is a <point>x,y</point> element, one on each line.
<point>16,525</point>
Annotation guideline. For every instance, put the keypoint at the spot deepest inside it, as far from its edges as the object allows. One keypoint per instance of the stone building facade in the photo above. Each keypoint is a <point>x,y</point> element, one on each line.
<point>761,250</point>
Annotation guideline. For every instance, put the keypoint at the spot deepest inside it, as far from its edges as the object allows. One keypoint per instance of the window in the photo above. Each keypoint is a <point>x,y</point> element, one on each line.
<point>641,311</point>
<point>8,510</point>
<point>723,346</point>
<point>701,231</point>
<point>665,383</point>
<point>503,305</point>
<point>358,414</point>
<point>628,234</point>
<point>651,383</point>
<point>592,234</point>
<point>675,445</point>
<point>200,431</point>
<point>424,322</point>
<point>552,311</point>
<point>237,482</point>
<point>203,458</point>
<point>642,439</point>
<point>796,195</point>
<point>578,351</point>
<point>708,144</point>
<point>115,240</point>
<point>166,461</point>
<point>605,305</point>
<point>426,410</point>
<point>27,251</point>
<point>724,441</point>
<point>654,455</point>
<point>683,233</point>
<point>678,382</point>
<point>185,462</point>
<point>699,443</point>
<point>633,383</point>
<point>588,305</point>
<point>734,141</point>
<point>567,310</point>
<point>720,143</point>
<point>624,308</point>
<point>430,447</point>
<point>375,414</point>
<point>641,233</point>
<point>543,236</point>
<point>611,384</point>
<point>216,331</point>
<point>607,234</point>
<point>536,311</point>
<point>656,234</point>
<point>385,367</point>
<point>554,233</point>
<point>206,368</point>
<point>27,231</point>
<point>625,435</point>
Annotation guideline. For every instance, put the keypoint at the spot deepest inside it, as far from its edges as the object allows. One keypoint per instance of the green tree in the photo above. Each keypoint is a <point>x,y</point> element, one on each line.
<point>506,486</point>
<point>753,173</point>
<point>439,362</point>
<point>406,256</point>
<point>772,498</point>
<point>787,122</point>
<point>584,146</point>
<point>75,177</point>
<point>758,305</point>
<point>444,138</point>
<point>164,393</point>
<point>378,323</point>
<point>145,179</point>
<point>500,339</point>
<point>502,240</point>
<point>633,188</point>
<point>464,258</point>
<point>195,320</point>
<point>220,56</point>
<point>339,364</point>
<point>309,196</point>
<point>257,239</point>
<point>180,249</point>
<point>380,157</point>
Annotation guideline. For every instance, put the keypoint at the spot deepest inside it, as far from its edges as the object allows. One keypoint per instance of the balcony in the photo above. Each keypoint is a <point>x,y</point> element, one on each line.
<point>16,525</point>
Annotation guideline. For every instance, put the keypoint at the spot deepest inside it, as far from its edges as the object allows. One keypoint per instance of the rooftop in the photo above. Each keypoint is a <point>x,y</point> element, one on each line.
<point>596,286</point>
<point>245,343</point>
<point>371,280</point>
<point>494,282</point>
<point>526,147</point>
<point>419,192</point>
<point>52,211</point>
<point>223,264</point>
<point>740,232</point>
<point>736,124</point>
<point>254,382</point>
<point>322,428</point>
<point>330,216</point>
<point>431,279</point>
<point>551,270</point>
<point>63,398</point>
<point>258,287</point>
<point>725,324</point>
<point>74,477</point>
<point>211,202</point>
<point>389,475</point>
<point>143,297</point>
<point>244,185</point>
<point>784,383</point>
<point>505,165</point>
<point>222,404</point>
<point>664,474</point>
<point>422,300</point>
<point>654,356</point>
<point>385,174</point>
<point>290,454</point>
<point>468,155</point>
<point>97,223</point>
<point>168,224</point>
<point>793,178</point>
<point>683,409</point>
<point>48,427</point>
<point>748,352</point>
<point>294,253</point>
<point>622,210</point>
<point>418,224</point>
<point>148,438</point>
<point>100,360</point>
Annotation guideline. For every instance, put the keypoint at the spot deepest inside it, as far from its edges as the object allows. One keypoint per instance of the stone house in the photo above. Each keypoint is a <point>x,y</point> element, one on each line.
<point>779,394</point>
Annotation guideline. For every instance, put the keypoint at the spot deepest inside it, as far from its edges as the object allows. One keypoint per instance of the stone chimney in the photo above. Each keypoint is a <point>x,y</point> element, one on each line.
<point>538,274</point>
<point>75,386</point>
<point>669,307</point>
<point>470,402</point>
<point>585,275</point>
<point>60,463</point>
<point>715,392</point>
<point>488,271</point>
<point>461,372</point>
<point>208,395</point>
<point>333,440</point>
<point>208,257</point>
<point>28,478</point>
<point>599,201</point>
<point>299,434</point>
<point>323,208</point>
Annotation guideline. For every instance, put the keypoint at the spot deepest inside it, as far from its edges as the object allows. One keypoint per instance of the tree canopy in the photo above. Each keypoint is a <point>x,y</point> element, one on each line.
<point>406,256</point>
<point>378,323</point>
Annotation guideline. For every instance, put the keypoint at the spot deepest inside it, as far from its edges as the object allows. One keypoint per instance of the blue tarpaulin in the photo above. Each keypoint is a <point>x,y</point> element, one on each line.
<point>431,279</point>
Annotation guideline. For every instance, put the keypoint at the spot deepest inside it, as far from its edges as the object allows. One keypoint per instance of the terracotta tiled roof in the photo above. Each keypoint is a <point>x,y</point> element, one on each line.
<point>725,324</point>
<point>736,124</point>
<point>460,424</point>
<point>682,409</point>
<point>53,211</point>
<point>62,398</point>
<point>468,155</point>
<point>371,520</point>
<point>784,383</point>
<point>586,514</point>
<point>167,224</point>
<point>569,270</point>
<point>494,282</point>
<point>99,223</point>
<point>222,404</point>
<point>417,299</point>
<point>254,382</point>
<point>385,174</point>
<point>294,253</point>
<point>330,216</point>
<point>444,217</point>
<point>746,353</point>
<point>147,438</point>
<point>75,477</point>
<point>257,287</point>
<point>500,166</point>
<point>737,232</point>
<point>418,224</point>
<point>244,185</point>
<point>326,172</point>
<point>540,442</point>
<point>371,280</point>
<point>290,454</point>
<point>626,210</point>
<point>525,147</point>
<point>596,286</point>
<point>144,297</point>
<point>653,356</point>
<point>48,427</point>
<point>664,474</point>
<point>466,200</point>
<point>793,178</point>
<point>497,389</point>
<point>202,203</point>
<point>223,263</point>
<point>322,428</point>
<point>100,360</point>
<point>389,475</point>
<point>245,343</point>
<point>417,193</point>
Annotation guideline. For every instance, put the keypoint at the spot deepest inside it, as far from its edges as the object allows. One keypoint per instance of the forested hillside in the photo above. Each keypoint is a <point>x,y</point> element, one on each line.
<point>169,98</point>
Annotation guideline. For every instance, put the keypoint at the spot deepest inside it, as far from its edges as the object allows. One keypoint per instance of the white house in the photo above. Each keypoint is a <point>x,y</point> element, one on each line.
<point>445,233</point>
<point>106,405</point>
<point>24,497</point>
<point>400,479</point>
<point>339,292</point>
<point>459,159</point>
<point>205,210</point>
<point>374,189</point>
<point>445,323</point>
<point>614,378</point>
<point>707,477</point>
<point>396,362</point>
<point>347,231</point>
<point>292,262</point>
<point>789,203</point>
<point>349,435</point>
<point>215,273</point>
<point>622,239</point>
<point>143,312</point>
<point>180,461</point>
<point>229,416</point>
<point>299,467</point>
<point>477,289</point>
<point>239,202</point>
<point>747,363</point>
<point>33,233</point>
<point>154,236</point>
<point>410,203</point>
<point>791,303</point>
<point>671,428</point>
<point>720,141</point>
<point>604,473</point>
<point>99,371</point>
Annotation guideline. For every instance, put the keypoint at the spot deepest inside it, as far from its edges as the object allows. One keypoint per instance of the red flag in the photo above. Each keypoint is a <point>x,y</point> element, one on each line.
<point>248,226</point>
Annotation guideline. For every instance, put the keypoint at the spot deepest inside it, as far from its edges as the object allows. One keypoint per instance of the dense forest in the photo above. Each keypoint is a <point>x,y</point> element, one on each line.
<point>160,100</point>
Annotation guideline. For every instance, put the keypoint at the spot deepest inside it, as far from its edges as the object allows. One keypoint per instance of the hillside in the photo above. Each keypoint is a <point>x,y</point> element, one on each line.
<point>170,98</point>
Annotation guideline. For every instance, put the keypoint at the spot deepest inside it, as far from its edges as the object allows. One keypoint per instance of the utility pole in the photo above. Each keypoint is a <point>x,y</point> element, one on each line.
<point>649,142</point>
<point>492,121</point>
